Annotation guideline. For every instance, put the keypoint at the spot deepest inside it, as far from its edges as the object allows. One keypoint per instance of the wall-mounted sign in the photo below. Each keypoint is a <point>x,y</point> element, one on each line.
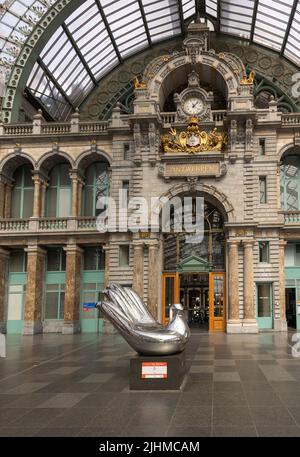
<point>192,169</point>
<point>154,370</point>
<point>88,306</point>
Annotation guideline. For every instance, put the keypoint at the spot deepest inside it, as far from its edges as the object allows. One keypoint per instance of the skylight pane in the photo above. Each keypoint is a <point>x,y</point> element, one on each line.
<point>188,8</point>
<point>236,17</point>
<point>126,24</point>
<point>292,50</point>
<point>212,7</point>
<point>271,22</point>
<point>161,16</point>
<point>162,34</point>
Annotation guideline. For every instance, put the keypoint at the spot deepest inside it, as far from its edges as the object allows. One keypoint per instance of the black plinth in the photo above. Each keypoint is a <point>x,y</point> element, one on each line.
<point>157,373</point>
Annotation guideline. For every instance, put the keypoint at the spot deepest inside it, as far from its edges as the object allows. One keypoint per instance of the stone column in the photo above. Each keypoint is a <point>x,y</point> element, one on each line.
<point>34,289</point>
<point>7,204</point>
<point>138,269</point>
<point>249,321</point>
<point>37,196</point>
<point>43,199</point>
<point>107,327</point>
<point>4,258</point>
<point>153,278</point>
<point>76,186</point>
<point>234,324</point>
<point>2,197</point>
<point>80,186</point>
<point>282,323</point>
<point>106,249</point>
<point>72,295</point>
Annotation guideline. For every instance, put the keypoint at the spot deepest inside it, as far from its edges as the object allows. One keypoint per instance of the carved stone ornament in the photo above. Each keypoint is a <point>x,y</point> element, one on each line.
<point>193,140</point>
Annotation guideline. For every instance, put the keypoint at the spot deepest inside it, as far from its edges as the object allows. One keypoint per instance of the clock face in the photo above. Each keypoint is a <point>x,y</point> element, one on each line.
<point>193,106</point>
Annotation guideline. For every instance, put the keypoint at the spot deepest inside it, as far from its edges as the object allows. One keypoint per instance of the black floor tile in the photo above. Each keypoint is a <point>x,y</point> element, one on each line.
<point>273,416</point>
<point>248,431</point>
<point>232,416</point>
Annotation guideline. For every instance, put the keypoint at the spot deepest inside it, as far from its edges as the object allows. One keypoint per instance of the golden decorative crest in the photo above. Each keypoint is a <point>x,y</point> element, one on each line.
<point>249,80</point>
<point>193,140</point>
<point>139,85</point>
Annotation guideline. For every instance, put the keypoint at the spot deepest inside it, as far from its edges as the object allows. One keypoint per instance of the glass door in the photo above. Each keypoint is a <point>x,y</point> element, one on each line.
<point>217,308</point>
<point>264,306</point>
<point>170,294</point>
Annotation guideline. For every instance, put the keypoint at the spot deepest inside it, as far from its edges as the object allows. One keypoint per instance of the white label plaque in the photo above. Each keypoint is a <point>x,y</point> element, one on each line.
<point>158,370</point>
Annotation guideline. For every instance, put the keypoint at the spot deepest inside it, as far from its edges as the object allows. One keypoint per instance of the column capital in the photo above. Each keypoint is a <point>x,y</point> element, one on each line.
<point>282,243</point>
<point>6,179</point>
<point>73,248</point>
<point>38,174</point>
<point>233,242</point>
<point>138,244</point>
<point>154,244</point>
<point>106,247</point>
<point>75,175</point>
<point>248,243</point>
<point>35,249</point>
<point>4,253</point>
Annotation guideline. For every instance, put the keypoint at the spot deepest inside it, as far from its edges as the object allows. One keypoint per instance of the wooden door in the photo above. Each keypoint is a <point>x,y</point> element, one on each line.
<point>217,302</point>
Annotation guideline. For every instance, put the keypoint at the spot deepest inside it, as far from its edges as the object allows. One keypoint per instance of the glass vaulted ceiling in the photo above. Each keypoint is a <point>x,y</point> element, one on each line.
<point>100,34</point>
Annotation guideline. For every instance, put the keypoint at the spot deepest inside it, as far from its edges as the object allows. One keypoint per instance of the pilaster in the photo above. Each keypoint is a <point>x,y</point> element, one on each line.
<point>138,268</point>
<point>72,296</point>
<point>34,289</point>
<point>234,324</point>
<point>4,258</point>
<point>153,278</point>
<point>249,321</point>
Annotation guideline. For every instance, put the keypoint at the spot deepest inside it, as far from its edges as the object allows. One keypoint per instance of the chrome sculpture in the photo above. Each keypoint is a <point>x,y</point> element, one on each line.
<point>127,312</point>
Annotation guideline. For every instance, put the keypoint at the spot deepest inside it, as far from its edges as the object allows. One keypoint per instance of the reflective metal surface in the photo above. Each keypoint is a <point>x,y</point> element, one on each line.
<point>127,312</point>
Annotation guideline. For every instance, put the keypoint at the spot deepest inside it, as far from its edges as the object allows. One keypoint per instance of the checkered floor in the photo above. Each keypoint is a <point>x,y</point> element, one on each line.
<point>77,385</point>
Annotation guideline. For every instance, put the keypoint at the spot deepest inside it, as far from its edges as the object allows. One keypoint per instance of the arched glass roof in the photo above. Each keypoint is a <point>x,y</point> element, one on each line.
<point>99,34</point>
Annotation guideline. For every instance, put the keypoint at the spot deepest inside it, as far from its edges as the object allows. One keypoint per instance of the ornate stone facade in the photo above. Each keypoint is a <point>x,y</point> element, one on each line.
<point>130,145</point>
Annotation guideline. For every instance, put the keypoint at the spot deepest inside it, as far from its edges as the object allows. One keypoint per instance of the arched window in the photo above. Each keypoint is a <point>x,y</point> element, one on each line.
<point>91,188</point>
<point>290,183</point>
<point>59,193</point>
<point>22,193</point>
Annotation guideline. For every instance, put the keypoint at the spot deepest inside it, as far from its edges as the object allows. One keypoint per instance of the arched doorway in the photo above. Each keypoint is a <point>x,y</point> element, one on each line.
<point>194,274</point>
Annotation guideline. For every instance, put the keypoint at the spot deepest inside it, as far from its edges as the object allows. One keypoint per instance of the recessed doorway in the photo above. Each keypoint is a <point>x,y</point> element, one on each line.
<point>290,304</point>
<point>202,296</point>
<point>194,297</point>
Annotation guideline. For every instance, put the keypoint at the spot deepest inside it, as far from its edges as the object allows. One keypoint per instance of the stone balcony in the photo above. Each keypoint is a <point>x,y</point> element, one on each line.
<point>47,225</point>
<point>291,218</point>
<point>169,119</point>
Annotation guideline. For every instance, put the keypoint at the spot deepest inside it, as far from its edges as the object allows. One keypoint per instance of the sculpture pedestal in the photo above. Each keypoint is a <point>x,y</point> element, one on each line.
<point>157,372</point>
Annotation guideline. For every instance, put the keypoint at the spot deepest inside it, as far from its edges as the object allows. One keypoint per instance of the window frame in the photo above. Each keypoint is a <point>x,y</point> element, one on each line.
<point>283,182</point>
<point>22,190</point>
<point>267,244</point>
<point>262,179</point>
<point>124,265</point>
<point>93,187</point>
<point>58,187</point>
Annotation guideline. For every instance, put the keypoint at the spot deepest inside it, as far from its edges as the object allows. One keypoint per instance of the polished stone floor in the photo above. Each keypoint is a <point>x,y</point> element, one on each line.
<point>77,385</point>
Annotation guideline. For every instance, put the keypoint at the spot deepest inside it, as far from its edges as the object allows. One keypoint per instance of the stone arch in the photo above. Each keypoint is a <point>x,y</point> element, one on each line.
<point>12,161</point>
<point>285,150</point>
<point>52,158</point>
<point>211,193</point>
<point>229,71</point>
<point>86,158</point>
